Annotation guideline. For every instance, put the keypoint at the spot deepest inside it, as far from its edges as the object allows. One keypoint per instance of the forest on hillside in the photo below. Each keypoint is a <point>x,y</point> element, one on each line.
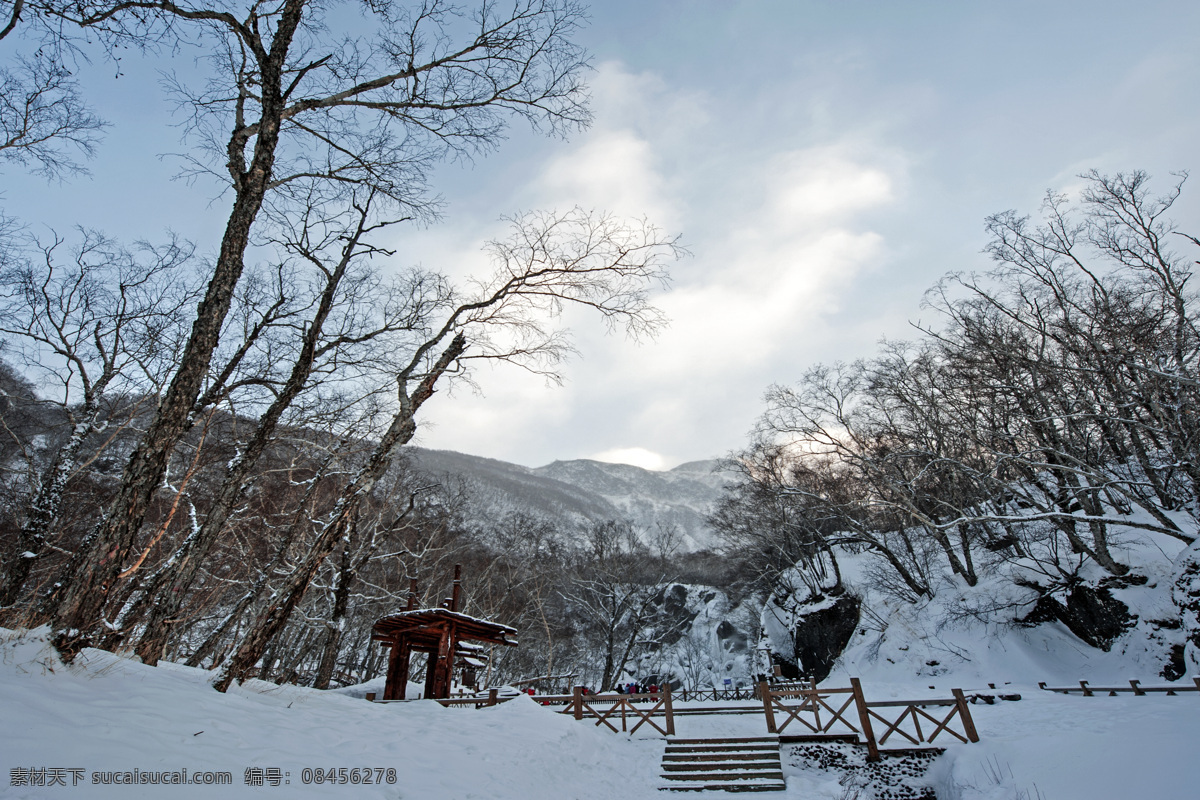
<point>203,444</point>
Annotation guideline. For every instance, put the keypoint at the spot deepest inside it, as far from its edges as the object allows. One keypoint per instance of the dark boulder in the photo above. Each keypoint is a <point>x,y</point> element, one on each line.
<point>821,636</point>
<point>1097,617</point>
<point>1092,614</point>
<point>732,640</point>
<point>669,614</point>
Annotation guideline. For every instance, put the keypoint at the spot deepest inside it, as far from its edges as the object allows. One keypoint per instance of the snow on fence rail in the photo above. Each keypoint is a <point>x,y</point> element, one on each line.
<point>620,706</point>
<point>685,695</point>
<point>812,700</point>
<point>584,706</point>
<point>1134,687</point>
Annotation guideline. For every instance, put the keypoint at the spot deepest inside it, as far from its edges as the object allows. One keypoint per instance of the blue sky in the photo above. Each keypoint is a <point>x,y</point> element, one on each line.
<point>824,162</point>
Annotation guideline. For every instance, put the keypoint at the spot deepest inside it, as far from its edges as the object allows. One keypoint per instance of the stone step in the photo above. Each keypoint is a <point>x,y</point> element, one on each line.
<point>730,740</point>
<point>726,777</point>
<point>759,786</point>
<point>709,756</point>
<point>733,764</point>
<point>709,765</point>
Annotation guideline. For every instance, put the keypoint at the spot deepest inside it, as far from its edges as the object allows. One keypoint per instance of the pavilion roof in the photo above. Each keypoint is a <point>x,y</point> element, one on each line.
<point>429,619</point>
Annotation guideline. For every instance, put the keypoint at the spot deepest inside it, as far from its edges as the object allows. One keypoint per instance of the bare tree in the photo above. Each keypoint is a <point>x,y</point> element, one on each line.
<point>548,262</point>
<point>614,587</point>
<point>312,115</point>
<point>44,122</point>
<point>105,319</point>
<point>167,592</point>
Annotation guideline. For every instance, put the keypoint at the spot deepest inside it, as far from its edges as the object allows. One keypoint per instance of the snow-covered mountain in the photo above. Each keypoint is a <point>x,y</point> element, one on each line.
<point>581,491</point>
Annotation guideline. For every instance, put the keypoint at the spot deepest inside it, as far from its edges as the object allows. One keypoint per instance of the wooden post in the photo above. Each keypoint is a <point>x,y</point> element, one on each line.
<point>964,714</point>
<point>457,590</point>
<point>370,697</point>
<point>577,701</point>
<point>1086,691</point>
<point>765,690</point>
<point>864,719</point>
<point>1197,682</point>
<point>492,695</point>
<point>397,674</point>
<point>670,711</point>
<point>412,594</point>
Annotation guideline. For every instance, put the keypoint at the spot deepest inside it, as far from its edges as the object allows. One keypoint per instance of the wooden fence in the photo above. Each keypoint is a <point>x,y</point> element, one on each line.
<point>621,707</point>
<point>854,715</point>
<point>822,712</point>
<point>1134,687</point>
<point>685,695</point>
<point>606,709</point>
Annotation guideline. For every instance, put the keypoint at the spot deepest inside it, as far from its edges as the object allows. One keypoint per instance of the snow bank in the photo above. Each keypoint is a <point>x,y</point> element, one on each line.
<point>105,713</point>
<point>1061,747</point>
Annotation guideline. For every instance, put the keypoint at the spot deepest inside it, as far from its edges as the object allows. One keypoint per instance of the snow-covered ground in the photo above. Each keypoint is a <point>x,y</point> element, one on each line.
<point>108,714</point>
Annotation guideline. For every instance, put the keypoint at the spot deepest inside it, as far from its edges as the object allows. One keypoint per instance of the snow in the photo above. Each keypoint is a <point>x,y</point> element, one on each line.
<point>106,713</point>
<point>1078,747</point>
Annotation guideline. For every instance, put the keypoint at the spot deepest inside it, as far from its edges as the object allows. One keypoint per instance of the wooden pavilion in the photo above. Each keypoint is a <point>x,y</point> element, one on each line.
<point>449,637</point>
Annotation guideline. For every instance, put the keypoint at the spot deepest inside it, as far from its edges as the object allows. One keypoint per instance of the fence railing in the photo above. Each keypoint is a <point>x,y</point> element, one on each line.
<point>608,709</point>
<point>854,715</point>
<point>686,695</point>
<point>1134,687</point>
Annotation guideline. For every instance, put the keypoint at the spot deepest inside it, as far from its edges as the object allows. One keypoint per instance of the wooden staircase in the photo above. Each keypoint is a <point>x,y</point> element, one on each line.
<point>729,765</point>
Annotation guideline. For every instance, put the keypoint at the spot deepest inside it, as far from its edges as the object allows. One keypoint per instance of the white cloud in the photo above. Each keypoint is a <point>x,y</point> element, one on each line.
<point>612,171</point>
<point>823,185</point>
<point>779,236</point>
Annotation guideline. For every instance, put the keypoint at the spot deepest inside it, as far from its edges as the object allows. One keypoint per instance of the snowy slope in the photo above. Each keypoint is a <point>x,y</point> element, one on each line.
<point>106,713</point>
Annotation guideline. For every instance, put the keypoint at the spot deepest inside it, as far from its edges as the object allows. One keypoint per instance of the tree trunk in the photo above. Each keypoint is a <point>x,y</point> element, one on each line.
<point>334,627</point>
<point>399,433</point>
<point>45,509</point>
<point>77,605</point>
<point>171,591</point>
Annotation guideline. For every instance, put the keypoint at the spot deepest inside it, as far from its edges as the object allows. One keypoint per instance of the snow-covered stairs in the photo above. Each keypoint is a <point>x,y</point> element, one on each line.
<point>729,765</point>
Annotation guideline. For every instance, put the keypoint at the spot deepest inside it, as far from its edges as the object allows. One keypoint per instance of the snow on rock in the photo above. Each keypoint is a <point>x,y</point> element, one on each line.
<point>1186,594</point>
<point>704,638</point>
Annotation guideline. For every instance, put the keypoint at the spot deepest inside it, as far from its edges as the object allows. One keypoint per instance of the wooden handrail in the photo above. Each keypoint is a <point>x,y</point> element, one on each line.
<point>1135,687</point>
<point>815,701</point>
<point>581,707</point>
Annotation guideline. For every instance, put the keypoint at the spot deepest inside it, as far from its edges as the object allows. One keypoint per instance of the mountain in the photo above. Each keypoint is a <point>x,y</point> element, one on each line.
<point>683,496</point>
<point>581,491</point>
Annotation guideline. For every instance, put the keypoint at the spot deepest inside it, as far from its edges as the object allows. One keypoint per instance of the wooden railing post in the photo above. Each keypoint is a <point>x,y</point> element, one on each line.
<point>577,701</point>
<point>964,714</point>
<point>1086,691</point>
<point>1197,682</point>
<point>1137,689</point>
<point>864,719</point>
<point>765,691</point>
<point>670,711</point>
<point>493,694</point>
